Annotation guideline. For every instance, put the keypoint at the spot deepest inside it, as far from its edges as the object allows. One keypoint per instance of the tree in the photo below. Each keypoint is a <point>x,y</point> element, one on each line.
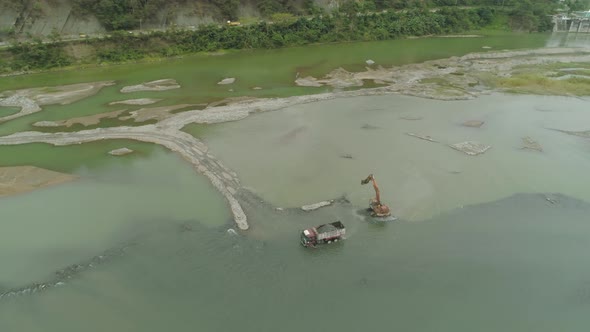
<point>578,5</point>
<point>228,8</point>
<point>268,7</point>
<point>311,8</point>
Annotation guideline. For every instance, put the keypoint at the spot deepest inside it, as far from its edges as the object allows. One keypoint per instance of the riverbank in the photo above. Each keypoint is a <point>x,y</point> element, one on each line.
<point>463,77</point>
<point>121,46</point>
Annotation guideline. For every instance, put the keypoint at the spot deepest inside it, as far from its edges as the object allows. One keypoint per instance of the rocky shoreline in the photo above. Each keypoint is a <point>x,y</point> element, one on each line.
<point>454,78</point>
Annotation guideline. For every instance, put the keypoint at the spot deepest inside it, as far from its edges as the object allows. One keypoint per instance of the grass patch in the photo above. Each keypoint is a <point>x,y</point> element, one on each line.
<point>577,71</point>
<point>555,66</point>
<point>499,23</point>
<point>565,65</point>
<point>538,84</point>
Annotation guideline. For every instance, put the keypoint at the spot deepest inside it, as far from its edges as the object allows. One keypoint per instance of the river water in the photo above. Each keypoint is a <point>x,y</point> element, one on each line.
<point>318,151</point>
<point>487,243</point>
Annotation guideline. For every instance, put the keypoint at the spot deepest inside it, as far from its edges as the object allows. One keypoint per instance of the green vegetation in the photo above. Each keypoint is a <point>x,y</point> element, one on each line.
<point>37,55</point>
<point>547,79</point>
<point>290,31</point>
<point>563,65</point>
<point>579,72</point>
<point>129,14</point>
<point>353,21</point>
<point>540,84</point>
<point>578,5</point>
<point>14,4</point>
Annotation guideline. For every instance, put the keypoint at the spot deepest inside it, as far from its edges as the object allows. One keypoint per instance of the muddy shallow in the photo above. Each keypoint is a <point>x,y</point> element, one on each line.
<point>54,227</point>
<point>22,179</point>
<point>311,152</point>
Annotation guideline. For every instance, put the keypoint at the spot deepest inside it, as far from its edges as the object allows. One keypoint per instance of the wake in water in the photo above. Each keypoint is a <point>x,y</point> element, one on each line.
<point>65,274</point>
<point>365,215</point>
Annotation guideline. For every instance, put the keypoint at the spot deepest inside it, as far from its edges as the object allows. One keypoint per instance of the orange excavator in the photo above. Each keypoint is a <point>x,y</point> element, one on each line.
<point>375,206</point>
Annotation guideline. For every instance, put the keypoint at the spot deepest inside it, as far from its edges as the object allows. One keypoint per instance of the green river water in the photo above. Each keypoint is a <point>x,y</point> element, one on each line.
<point>477,247</point>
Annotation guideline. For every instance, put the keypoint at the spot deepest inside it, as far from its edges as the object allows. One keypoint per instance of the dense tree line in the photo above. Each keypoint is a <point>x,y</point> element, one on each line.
<point>340,26</point>
<point>578,5</point>
<point>36,55</point>
<point>128,14</point>
<point>352,21</point>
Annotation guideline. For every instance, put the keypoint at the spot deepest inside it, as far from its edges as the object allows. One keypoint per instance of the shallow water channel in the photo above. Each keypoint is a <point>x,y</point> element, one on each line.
<point>495,242</point>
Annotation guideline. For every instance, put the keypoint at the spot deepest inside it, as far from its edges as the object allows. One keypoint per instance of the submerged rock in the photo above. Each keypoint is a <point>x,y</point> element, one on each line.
<point>363,281</point>
<point>585,133</point>
<point>140,101</point>
<point>228,80</point>
<point>341,78</point>
<point>411,118</point>
<point>158,85</point>
<point>88,120</point>
<point>473,123</point>
<point>471,148</point>
<point>550,199</point>
<point>307,81</point>
<point>47,124</point>
<point>426,137</point>
<point>120,152</point>
<point>529,143</point>
<point>316,206</point>
<point>369,126</point>
<point>154,113</point>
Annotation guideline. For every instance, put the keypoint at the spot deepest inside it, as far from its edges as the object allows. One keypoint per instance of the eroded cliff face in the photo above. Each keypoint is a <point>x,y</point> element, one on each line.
<point>43,17</point>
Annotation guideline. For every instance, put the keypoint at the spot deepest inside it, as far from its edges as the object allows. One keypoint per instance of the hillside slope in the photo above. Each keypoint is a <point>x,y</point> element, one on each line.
<point>42,17</point>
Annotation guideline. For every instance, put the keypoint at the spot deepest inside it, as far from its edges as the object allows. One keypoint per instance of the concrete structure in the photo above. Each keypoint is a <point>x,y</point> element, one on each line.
<point>578,22</point>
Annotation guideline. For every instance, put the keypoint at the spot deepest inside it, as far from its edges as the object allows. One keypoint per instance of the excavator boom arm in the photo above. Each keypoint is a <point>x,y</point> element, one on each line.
<point>372,179</point>
<point>377,195</point>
